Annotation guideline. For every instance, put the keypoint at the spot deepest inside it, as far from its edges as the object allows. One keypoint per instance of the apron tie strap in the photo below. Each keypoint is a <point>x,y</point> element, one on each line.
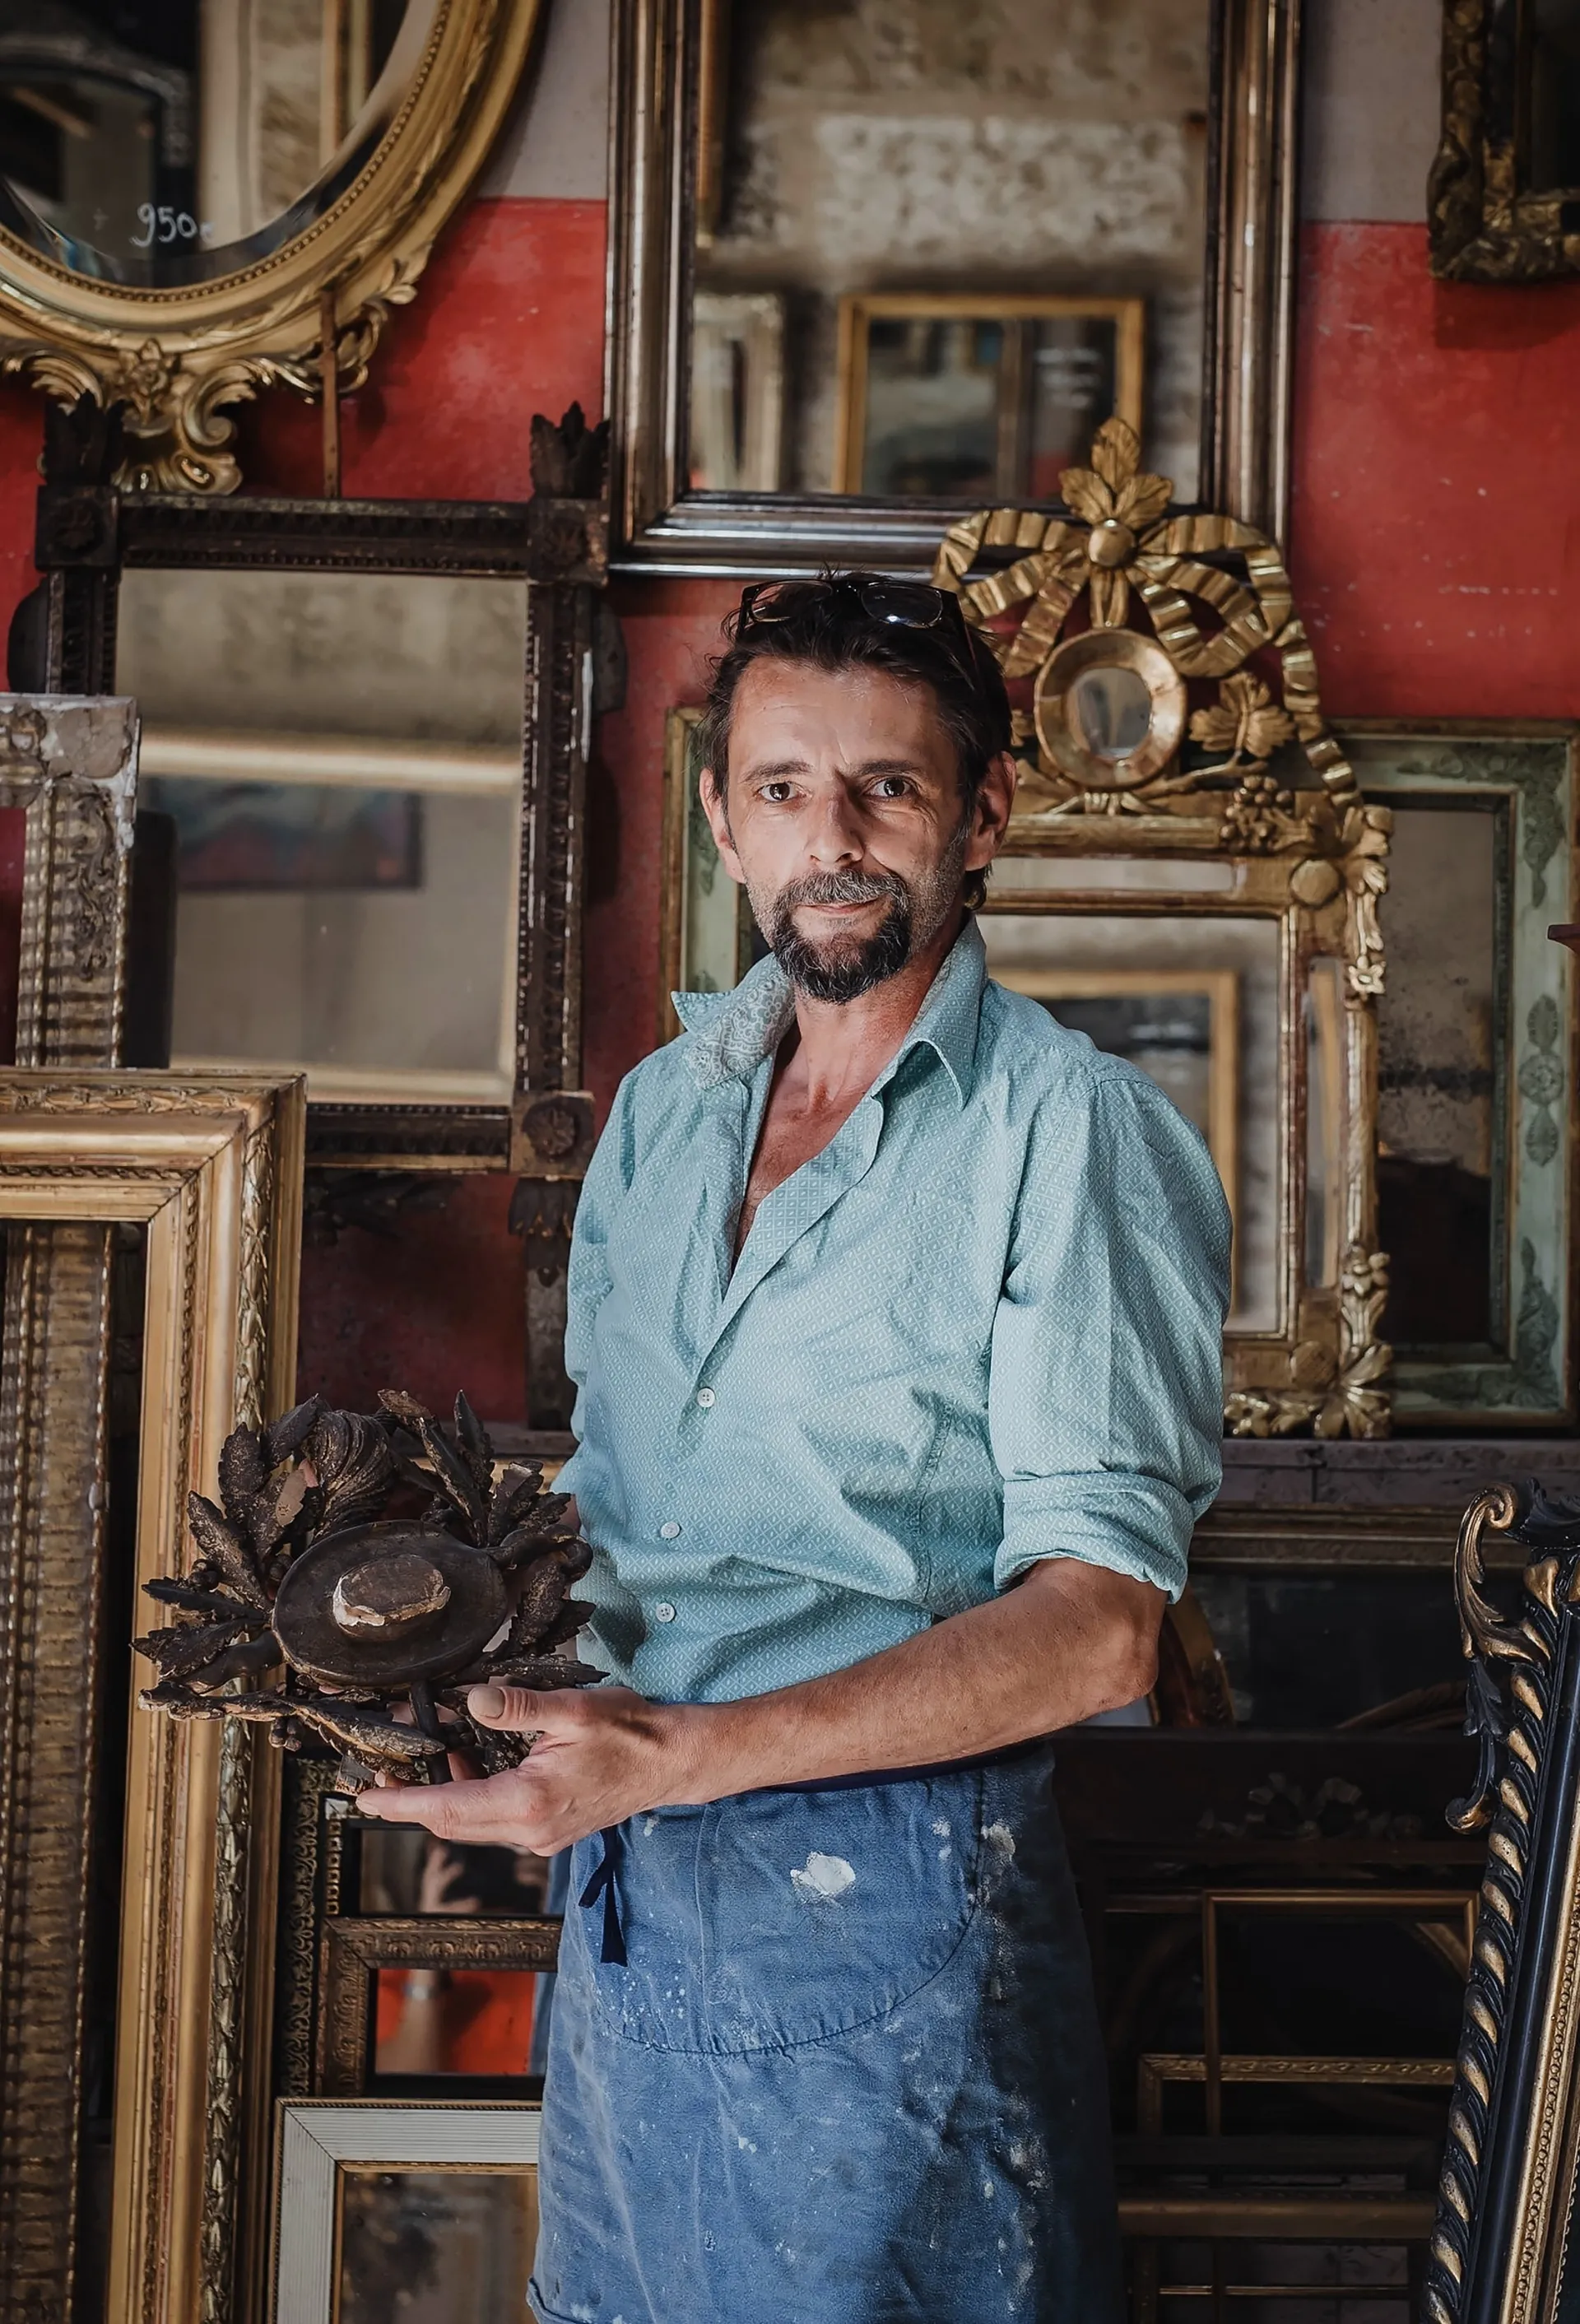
<point>602,1884</point>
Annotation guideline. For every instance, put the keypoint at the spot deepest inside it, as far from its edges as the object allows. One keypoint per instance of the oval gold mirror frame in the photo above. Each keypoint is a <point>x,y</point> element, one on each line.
<point>1057,728</point>
<point>176,358</point>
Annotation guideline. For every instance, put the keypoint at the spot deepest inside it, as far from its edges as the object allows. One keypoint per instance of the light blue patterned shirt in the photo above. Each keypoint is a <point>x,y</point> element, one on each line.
<point>983,1327</point>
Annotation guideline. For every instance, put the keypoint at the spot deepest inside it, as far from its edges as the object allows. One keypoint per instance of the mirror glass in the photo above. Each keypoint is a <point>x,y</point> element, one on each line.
<point>437,2247</point>
<point>1110,710</point>
<point>169,141</point>
<point>937,246</point>
<point>342,757</point>
<point>402,1871</point>
<point>1439,1103</point>
<point>1551,37</point>
<point>1193,1001</point>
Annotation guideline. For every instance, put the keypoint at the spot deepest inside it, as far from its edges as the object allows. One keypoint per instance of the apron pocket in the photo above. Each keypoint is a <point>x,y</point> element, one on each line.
<point>806,1914</point>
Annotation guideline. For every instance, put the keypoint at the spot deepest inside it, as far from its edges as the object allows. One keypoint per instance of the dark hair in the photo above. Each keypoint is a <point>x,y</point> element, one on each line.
<point>826,624</point>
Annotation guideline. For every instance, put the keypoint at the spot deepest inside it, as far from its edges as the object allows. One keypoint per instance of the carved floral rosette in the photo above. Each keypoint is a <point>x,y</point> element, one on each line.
<point>1238,762</point>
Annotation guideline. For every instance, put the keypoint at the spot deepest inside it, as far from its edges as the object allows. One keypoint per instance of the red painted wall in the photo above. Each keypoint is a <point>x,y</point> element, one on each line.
<point>1435,522</point>
<point>1436,516</point>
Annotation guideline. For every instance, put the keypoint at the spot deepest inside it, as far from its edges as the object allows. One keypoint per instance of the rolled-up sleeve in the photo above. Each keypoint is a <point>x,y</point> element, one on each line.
<point>1105,1393</point>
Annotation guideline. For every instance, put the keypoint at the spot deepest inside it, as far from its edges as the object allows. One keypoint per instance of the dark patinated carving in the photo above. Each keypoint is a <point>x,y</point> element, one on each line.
<point>301,1572</point>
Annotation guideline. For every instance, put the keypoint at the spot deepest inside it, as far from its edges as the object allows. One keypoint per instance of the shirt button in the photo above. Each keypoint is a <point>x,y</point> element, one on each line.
<point>665,1613</point>
<point>706,1398</point>
<point>670,1532</point>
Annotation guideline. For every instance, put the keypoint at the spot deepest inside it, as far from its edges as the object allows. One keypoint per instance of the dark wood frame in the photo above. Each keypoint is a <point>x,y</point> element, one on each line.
<point>87,534</point>
<point>1485,225</point>
<point>1497,2251</point>
<point>353,1952</point>
<point>662,527</point>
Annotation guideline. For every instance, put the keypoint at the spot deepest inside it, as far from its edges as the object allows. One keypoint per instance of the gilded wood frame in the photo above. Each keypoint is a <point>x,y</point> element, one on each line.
<point>212,1170</point>
<point>858,311</point>
<point>352,1952</point>
<point>179,358</point>
<point>661,526</point>
<point>1503,2242</point>
<point>1484,222</point>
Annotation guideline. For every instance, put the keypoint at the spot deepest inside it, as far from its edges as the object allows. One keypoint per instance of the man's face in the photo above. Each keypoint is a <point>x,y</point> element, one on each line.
<point>846,822</point>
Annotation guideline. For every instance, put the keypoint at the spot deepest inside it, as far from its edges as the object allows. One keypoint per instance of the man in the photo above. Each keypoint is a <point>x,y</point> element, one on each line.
<point>896,1311</point>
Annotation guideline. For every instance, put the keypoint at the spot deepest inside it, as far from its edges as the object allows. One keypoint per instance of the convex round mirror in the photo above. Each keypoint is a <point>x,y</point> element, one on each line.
<point>1110,708</point>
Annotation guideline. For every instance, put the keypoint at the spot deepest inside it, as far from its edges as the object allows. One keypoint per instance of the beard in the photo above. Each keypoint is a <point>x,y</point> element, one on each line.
<point>838,968</point>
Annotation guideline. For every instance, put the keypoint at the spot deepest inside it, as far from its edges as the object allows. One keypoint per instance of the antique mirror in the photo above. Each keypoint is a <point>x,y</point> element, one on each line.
<point>377,848</point>
<point>1503,201</point>
<point>201,198</point>
<point>871,267</point>
<point>1475,1139</point>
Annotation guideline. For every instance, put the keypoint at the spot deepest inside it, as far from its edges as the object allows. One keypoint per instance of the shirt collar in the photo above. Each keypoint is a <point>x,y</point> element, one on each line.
<point>728,1034</point>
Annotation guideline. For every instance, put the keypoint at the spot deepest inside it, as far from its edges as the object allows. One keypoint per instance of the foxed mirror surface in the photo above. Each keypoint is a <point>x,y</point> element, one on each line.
<point>342,757</point>
<point>937,247</point>
<point>441,2247</point>
<point>1475,1127</point>
<point>163,142</point>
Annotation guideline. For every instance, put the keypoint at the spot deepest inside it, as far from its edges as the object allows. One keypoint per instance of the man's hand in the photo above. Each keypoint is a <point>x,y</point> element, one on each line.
<point>599,1756</point>
<point>1067,1640</point>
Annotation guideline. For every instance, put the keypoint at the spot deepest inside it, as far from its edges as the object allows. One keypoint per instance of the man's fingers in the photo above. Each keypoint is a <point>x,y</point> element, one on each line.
<point>517,1710</point>
<point>485,1811</point>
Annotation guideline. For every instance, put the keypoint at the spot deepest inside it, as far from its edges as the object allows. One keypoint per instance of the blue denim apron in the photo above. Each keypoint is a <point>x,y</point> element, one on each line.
<point>848,2071</point>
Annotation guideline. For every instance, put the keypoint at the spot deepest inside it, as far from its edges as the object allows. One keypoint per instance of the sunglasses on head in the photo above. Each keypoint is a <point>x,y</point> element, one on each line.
<point>904,605</point>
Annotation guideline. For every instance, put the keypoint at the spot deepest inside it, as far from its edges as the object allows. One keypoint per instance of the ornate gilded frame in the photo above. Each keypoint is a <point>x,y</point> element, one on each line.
<point>212,1171</point>
<point>1276,808</point>
<point>313,307</point>
<point>1503,2242</point>
<point>661,79</point>
<point>1485,224</point>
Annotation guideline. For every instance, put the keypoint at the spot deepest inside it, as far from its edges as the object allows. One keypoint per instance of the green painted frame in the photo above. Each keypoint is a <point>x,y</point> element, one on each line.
<point>1527,769</point>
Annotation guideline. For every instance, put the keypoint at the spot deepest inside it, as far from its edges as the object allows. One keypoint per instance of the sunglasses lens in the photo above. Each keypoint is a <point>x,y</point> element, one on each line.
<point>915,604</point>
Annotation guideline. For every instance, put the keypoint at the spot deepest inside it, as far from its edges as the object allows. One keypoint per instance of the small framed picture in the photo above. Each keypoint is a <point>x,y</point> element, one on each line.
<point>425,2212</point>
<point>432,2006</point>
<point>980,398</point>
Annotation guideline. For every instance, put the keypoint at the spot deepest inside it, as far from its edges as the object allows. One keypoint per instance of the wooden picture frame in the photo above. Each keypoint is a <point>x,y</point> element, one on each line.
<point>1503,2249</point>
<point>555,545</point>
<point>1486,222</point>
<point>212,1172</point>
<point>318,2141</point>
<point>354,1950</point>
<point>857,314</point>
<point>669,59</point>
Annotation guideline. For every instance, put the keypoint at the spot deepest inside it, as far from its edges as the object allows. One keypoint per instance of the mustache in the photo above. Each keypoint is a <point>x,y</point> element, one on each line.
<point>840,887</point>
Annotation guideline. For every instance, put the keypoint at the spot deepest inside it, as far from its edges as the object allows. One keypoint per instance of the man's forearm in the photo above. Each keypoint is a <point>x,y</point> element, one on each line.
<point>1071,1639</point>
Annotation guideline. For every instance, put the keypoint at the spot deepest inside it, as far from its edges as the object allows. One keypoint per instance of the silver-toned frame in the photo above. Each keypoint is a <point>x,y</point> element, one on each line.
<point>318,2138</point>
<point>660,526</point>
